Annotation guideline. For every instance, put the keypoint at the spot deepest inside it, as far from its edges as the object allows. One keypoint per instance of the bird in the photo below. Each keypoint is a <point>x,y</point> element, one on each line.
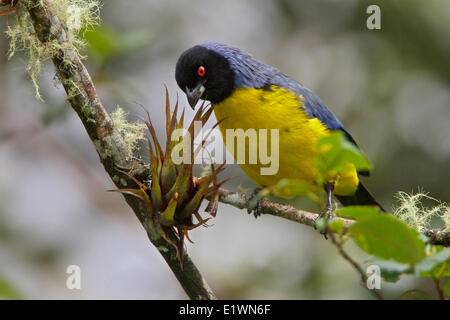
<point>247,93</point>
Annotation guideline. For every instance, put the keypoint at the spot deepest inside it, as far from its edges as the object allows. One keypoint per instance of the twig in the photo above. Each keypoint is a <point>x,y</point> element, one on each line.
<point>438,237</point>
<point>355,264</point>
<point>107,140</point>
<point>11,8</point>
<point>240,200</point>
<point>437,284</point>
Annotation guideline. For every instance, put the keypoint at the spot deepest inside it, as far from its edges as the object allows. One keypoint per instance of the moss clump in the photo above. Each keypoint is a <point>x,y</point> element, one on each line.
<point>131,132</point>
<point>412,211</point>
<point>74,15</point>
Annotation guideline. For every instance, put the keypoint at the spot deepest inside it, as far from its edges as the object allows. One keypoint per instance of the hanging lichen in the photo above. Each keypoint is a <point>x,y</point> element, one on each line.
<point>132,132</point>
<point>412,210</point>
<point>76,16</point>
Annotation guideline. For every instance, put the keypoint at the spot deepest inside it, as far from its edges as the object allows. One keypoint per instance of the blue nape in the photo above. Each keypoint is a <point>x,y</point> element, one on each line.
<point>251,73</point>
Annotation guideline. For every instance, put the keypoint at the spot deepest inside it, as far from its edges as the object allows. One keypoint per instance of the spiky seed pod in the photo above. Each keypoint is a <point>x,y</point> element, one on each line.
<point>174,195</point>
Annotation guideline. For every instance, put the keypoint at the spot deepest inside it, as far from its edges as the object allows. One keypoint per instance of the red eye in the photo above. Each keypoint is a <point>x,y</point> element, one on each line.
<point>201,71</point>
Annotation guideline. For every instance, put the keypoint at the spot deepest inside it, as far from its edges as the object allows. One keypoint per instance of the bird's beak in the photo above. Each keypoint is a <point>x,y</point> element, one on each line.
<point>193,95</point>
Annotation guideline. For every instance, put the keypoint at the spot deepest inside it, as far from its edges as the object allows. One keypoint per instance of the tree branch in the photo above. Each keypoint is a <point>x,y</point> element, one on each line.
<point>439,237</point>
<point>288,212</point>
<point>240,200</point>
<point>107,140</point>
<point>437,285</point>
<point>10,3</point>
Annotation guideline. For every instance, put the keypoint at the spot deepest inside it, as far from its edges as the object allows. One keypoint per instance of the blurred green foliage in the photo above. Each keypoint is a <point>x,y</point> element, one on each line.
<point>387,237</point>
<point>436,266</point>
<point>415,295</point>
<point>7,291</point>
<point>398,248</point>
<point>106,44</point>
<point>403,249</point>
<point>336,153</point>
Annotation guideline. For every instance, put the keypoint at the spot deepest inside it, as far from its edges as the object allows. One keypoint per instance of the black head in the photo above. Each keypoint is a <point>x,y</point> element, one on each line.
<point>204,74</point>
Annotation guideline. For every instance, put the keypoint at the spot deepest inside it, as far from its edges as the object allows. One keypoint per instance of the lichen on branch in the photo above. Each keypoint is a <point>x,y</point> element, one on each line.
<point>132,132</point>
<point>76,16</point>
<point>109,142</point>
<point>412,210</point>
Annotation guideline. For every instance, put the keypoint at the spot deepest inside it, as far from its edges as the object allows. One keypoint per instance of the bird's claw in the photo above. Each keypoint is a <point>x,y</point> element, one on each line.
<point>257,209</point>
<point>328,213</point>
<point>328,216</point>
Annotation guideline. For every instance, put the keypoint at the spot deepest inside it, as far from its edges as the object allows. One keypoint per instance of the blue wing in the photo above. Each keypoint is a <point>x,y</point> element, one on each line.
<point>251,73</point>
<point>315,108</point>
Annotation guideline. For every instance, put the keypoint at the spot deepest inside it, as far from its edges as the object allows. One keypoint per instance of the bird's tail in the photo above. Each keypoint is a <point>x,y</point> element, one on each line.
<point>362,196</point>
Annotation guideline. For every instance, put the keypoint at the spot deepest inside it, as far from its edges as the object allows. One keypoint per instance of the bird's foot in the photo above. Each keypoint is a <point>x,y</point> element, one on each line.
<point>255,208</point>
<point>325,216</point>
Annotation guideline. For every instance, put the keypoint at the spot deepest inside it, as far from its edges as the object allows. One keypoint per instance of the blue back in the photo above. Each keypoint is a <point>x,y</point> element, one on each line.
<point>251,73</point>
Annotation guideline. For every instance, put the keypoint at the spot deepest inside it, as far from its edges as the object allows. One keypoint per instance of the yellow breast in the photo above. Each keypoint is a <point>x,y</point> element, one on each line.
<point>280,109</point>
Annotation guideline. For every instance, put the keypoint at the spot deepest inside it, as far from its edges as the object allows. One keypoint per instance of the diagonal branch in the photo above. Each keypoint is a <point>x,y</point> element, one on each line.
<point>288,212</point>
<point>240,200</point>
<point>107,140</point>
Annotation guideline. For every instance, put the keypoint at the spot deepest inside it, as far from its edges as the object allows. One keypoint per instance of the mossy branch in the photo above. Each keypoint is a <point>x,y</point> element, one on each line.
<point>108,141</point>
<point>239,200</point>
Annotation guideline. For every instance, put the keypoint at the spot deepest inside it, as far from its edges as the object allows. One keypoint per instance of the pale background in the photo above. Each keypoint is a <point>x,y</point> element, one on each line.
<point>389,87</point>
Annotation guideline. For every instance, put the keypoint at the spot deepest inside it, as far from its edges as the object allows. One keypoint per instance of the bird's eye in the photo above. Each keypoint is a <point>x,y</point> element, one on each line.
<point>201,71</point>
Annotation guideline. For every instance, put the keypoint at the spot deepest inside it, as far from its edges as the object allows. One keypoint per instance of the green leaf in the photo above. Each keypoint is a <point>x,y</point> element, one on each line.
<point>415,295</point>
<point>167,217</point>
<point>138,193</point>
<point>168,175</point>
<point>388,238</point>
<point>105,44</point>
<point>155,193</point>
<point>391,270</point>
<point>357,212</point>
<point>320,224</point>
<point>288,188</point>
<point>257,197</point>
<point>436,266</point>
<point>7,291</point>
<point>200,193</point>
<point>336,225</point>
<point>336,153</point>
<point>102,42</point>
<point>446,287</point>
